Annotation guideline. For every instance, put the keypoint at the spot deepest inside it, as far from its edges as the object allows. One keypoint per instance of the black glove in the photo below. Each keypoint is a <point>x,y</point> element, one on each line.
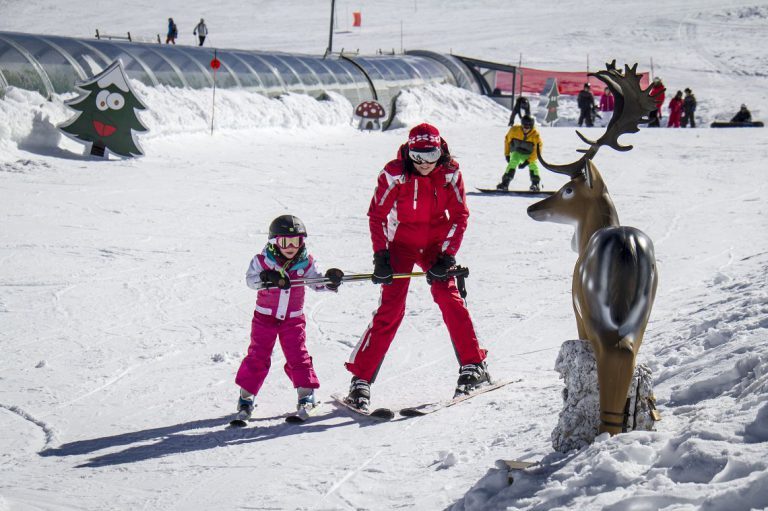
<point>523,165</point>
<point>439,270</point>
<point>275,278</point>
<point>507,157</point>
<point>334,275</point>
<point>382,270</point>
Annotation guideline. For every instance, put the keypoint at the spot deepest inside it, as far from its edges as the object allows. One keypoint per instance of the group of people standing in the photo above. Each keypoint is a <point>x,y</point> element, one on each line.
<point>201,31</point>
<point>681,108</point>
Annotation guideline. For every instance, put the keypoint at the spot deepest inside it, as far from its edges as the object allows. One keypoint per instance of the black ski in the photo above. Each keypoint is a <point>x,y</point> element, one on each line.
<point>517,193</point>
<point>383,414</point>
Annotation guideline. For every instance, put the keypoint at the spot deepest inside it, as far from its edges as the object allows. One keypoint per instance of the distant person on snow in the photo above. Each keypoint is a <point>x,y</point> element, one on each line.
<point>689,109</point>
<point>743,115</point>
<point>675,110</point>
<point>586,102</point>
<point>657,93</point>
<point>201,30</point>
<point>521,149</point>
<point>607,101</point>
<point>521,105</point>
<point>417,216</point>
<point>173,32</point>
<point>279,313</point>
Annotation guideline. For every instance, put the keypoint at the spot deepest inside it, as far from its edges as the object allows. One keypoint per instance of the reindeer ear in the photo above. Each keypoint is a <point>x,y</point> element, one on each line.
<point>589,174</point>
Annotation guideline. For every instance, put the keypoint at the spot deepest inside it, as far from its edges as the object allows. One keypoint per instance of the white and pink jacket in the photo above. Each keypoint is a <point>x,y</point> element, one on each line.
<point>282,303</point>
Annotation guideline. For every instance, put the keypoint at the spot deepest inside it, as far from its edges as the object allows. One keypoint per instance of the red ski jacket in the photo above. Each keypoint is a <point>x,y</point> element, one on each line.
<point>419,211</point>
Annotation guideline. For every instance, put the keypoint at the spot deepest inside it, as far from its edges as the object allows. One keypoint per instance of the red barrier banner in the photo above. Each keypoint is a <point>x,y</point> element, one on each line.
<point>569,83</point>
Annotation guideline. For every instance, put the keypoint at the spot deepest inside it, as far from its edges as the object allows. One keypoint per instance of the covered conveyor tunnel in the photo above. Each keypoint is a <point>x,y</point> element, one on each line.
<point>54,64</point>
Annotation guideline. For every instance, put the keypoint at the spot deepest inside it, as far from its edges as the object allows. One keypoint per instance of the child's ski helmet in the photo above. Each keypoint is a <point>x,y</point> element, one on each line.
<point>287,225</point>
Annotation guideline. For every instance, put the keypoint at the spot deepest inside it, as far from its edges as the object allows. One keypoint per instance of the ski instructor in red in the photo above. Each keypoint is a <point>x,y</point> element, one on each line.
<point>418,215</point>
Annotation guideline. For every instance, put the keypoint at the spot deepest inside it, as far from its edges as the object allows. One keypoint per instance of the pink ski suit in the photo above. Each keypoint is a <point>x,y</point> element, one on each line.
<point>279,313</point>
<point>417,218</point>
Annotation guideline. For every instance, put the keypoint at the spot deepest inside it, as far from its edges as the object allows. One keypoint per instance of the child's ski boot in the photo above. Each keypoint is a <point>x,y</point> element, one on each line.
<point>245,408</point>
<point>306,407</point>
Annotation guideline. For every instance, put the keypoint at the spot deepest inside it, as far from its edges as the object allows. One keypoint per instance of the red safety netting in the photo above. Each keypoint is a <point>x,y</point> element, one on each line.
<point>569,83</point>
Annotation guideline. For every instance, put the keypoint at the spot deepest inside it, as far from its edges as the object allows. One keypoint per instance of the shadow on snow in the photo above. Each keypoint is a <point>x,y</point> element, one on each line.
<point>171,440</point>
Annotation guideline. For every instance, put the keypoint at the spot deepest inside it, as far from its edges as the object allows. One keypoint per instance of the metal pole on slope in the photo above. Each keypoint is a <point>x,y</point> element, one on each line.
<point>215,64</point>
<point>330,32</point>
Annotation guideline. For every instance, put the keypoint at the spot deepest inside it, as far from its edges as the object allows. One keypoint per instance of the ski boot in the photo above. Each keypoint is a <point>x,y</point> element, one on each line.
<point>307,399</point>
<point>535,183</point>
<point>245,408</point>
<point>505,179</point>
<point>471,376</point>
<point>359,394</point>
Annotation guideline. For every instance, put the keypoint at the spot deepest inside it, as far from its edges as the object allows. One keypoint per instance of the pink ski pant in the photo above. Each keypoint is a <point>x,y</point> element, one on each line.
<point>298,364</point>
<point>370,351</point>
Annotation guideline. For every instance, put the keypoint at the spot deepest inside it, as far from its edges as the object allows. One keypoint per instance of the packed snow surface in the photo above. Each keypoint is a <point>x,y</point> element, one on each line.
<point>124,313</point>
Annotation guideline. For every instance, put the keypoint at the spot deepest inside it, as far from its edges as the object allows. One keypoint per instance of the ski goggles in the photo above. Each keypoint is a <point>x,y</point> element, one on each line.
<point>428,156</point>
<point>289,241</point>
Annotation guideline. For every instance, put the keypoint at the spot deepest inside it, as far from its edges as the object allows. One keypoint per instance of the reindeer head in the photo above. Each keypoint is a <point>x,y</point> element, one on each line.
<point>632,106</point>
<point>584,201</point>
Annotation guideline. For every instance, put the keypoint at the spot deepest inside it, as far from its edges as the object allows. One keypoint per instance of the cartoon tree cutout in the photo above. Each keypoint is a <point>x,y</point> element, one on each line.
<point>107,118</point>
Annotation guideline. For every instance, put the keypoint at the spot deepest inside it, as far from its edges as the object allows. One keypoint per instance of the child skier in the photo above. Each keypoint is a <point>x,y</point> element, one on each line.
<point>278,313</point>
<point>521,148</point>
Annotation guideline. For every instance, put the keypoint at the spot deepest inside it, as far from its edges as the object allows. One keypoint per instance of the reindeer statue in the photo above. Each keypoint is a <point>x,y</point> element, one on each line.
<point>614,280</point>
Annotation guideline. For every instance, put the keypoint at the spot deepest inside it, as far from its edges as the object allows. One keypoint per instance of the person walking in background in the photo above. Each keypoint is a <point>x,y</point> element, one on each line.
<point>173,32</point>
<point>743,115</point>
<point>657,93</point>
<point>417,216</point>
<point>675,110</point>
<point>201,31</point>
<point>521,105</point>
<point>521,146</point>
<point>586,102</point>
<point>607,101</point>
<point>689,107</point>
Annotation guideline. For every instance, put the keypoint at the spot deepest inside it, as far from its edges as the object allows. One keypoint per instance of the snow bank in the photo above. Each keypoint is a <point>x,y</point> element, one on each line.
<point>445,103</point>
<point>28,121</point>
<point>710,451</point>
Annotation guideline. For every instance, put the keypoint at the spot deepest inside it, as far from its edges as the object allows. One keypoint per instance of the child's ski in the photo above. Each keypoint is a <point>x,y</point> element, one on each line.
<point>241,419</point>
<point>302,414</point>
<point>427,408</point>
<point>378,413</point>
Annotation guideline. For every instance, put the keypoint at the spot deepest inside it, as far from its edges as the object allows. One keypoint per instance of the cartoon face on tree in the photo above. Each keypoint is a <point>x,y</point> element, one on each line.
<point>107,118</point>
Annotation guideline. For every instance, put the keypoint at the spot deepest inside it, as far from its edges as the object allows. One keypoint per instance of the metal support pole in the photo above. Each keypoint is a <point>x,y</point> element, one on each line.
<point>330,32</point>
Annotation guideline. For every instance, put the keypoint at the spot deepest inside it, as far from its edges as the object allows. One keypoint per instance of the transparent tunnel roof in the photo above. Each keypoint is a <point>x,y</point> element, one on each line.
<point>53,64</point>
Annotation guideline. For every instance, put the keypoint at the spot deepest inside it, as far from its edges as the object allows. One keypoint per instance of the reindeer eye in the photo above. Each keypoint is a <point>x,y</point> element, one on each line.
<point>568,193</point>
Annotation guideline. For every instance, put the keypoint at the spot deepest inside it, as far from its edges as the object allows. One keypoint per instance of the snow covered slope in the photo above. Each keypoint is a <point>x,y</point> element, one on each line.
<point>124,314</point>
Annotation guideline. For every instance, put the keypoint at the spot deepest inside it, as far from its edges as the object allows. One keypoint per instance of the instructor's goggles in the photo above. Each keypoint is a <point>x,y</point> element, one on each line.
<point>288,241</point>
<point>429,156</point>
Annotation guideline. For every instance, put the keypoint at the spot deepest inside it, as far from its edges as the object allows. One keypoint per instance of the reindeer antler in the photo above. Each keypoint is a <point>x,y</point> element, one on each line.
<point>632,105</point>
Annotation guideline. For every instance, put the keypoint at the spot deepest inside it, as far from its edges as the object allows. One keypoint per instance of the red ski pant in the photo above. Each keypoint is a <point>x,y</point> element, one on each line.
<point>370,351</point>
<point>298,364</point>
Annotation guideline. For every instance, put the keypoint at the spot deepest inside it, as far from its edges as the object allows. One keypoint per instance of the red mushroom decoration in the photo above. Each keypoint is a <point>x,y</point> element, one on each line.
<point>369,113</point>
